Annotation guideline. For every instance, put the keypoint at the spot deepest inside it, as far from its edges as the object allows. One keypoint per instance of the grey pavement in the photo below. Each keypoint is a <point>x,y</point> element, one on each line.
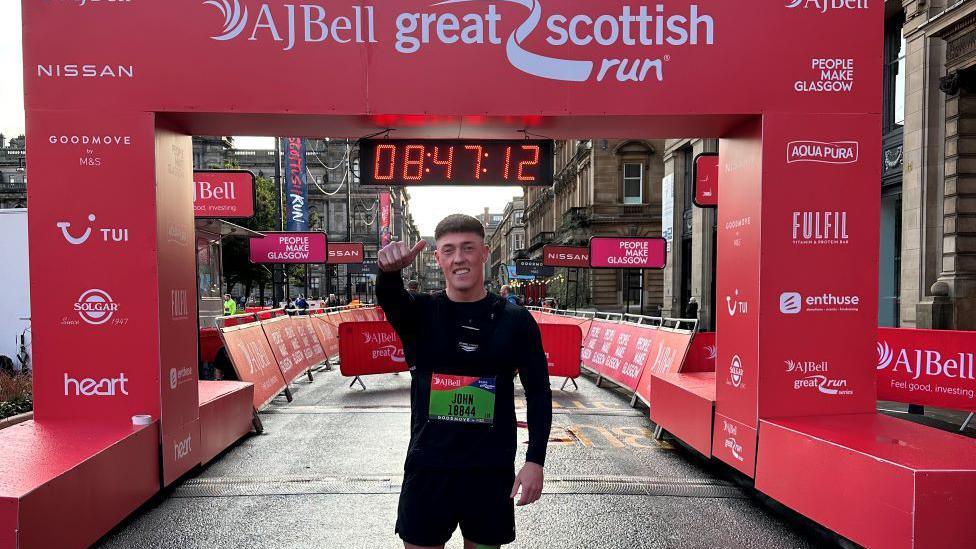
<point>326,473</point>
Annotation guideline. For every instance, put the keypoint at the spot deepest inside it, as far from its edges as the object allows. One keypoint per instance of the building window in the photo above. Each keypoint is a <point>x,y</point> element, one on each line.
<point>894,74</point>
<point>518,242</point>
<point>633,183</point>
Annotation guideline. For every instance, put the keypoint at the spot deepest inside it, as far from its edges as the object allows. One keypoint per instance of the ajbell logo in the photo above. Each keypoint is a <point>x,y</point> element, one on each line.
<point>839,152</point>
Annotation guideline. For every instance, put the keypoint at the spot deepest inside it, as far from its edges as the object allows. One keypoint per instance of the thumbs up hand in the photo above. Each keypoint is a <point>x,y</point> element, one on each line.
<point>397,255</point>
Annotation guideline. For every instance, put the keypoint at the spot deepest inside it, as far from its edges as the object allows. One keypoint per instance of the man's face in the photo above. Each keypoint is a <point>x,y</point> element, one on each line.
<point>462,256</point>
<point>504,292</point>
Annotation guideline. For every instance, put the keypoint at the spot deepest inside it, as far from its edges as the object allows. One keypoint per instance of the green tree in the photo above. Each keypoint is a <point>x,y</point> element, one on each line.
<point>238,269</point>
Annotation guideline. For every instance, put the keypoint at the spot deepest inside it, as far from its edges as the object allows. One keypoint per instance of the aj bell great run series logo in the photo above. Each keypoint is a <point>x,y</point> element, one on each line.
<point>643,27</point>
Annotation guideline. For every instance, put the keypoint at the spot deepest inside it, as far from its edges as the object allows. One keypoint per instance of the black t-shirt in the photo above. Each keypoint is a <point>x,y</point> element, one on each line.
<point>489,339</point>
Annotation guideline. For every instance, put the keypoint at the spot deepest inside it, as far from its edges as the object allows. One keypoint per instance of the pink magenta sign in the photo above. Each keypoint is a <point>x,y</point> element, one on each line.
<point>289,248</point>
<point>628,252</point>
<point>706,180</point>
<point>223,194</point>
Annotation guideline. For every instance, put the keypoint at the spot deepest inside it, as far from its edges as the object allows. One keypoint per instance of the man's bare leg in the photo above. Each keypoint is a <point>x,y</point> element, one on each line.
<point>473,545</point>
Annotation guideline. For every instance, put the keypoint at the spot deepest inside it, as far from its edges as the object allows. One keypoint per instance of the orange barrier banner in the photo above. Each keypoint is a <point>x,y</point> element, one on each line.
<point>668,352</point>
<point>326,328</point>
<point>286,344</point>
<point>562,343</point>
<point>253,360</point>
<point>314,352</point>
<point>368,348</point>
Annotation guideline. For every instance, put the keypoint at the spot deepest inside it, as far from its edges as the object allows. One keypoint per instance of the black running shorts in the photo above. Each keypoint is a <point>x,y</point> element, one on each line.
<point>433,502</point>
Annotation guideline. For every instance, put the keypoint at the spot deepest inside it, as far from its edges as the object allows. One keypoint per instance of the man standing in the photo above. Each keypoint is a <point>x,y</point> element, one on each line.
<point>230,306</point>
<point>467,346</point>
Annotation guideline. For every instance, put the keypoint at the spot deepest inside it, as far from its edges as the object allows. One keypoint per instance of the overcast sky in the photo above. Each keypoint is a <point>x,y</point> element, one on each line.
<point>429,205</point>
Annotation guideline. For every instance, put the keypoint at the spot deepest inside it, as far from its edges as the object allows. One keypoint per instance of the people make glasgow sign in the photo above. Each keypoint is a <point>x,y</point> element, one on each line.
<point>300,248</point>
<point>223,194</point>
<point>630,252</point>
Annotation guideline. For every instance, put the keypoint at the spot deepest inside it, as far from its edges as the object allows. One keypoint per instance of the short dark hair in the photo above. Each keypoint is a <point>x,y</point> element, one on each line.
<point>459,223</point>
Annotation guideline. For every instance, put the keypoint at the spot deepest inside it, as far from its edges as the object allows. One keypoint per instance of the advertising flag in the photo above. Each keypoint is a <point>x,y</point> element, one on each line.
<point>296,187</point>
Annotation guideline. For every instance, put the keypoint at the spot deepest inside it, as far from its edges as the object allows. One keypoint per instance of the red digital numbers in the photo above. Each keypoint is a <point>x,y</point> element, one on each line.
<point>413,162</point>
<point>385,171</point>
<point>402,162</point>
<point>534,149</point>
<point>447,162</point>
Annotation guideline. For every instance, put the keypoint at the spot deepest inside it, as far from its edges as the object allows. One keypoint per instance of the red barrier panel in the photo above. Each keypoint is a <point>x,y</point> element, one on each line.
<point>598,344</point>
<point>626,354</point>
<point>326,327</point>
<point>928,367</point>
<point>562,343</point>
<point>210,344</point>
<point>668,352</point>
<point>286,346</point>
<point>367,348</point>
<point>701,354</point>
<point>254,361</point>
<point>314,352</point>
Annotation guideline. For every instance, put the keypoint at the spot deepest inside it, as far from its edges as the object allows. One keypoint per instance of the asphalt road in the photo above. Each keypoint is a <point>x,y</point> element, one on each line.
<point>326,473</point>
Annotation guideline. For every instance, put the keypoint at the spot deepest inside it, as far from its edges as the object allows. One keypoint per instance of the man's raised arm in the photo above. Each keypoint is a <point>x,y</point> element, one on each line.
<point>392,297</point>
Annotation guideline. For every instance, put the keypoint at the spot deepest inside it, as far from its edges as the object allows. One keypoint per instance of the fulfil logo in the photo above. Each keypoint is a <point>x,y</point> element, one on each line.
<point>840,152</point>
<point>302,25</point>
<point>823,6</point>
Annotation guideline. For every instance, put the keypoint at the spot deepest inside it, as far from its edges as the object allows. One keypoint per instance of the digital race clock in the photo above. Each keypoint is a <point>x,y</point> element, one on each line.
<point>455,162</point>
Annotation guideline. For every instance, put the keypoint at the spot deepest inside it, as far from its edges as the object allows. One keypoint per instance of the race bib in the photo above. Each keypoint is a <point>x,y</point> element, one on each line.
<point>462,399</point>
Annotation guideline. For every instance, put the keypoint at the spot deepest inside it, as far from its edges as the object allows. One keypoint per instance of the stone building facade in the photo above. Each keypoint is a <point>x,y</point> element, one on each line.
<point>332,170</point>
<point>603,187</point>
<point>13,173</point>
<point>505,241</point>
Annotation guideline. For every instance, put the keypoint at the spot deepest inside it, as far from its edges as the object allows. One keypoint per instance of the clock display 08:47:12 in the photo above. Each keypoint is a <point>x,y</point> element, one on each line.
<point>446,162</point>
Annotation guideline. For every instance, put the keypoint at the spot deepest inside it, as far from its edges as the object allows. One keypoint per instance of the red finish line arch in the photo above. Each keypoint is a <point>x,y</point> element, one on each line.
<point>115,89</point>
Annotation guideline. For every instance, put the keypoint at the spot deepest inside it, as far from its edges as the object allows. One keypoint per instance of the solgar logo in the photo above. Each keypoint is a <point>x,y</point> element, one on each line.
<point>823,6</point>
<point>86,71</point>
<point>96,307</point>
<point>294,26</point>
<point>736,372</point>
<point>89,387</point>
<point>840,152</point>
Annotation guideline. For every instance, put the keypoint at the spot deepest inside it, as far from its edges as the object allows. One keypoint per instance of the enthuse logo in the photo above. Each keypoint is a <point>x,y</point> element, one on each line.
<point>823,6</point>
<point>821,152</point>
<point>793,303</point>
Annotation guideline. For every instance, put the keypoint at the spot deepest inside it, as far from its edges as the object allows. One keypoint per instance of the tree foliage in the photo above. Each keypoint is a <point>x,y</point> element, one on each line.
<point>237,267</point>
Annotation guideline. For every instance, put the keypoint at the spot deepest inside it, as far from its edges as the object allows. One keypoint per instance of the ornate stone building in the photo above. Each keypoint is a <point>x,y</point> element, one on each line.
<point>13,174</point>
<point>603,187</point>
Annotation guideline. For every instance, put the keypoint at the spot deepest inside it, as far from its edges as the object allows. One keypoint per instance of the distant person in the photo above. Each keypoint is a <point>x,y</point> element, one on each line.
<point>692,310</point>
<point>301,302</point>
<point>332,301</point>
<point>507,295</point>
<point>230,306</point>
